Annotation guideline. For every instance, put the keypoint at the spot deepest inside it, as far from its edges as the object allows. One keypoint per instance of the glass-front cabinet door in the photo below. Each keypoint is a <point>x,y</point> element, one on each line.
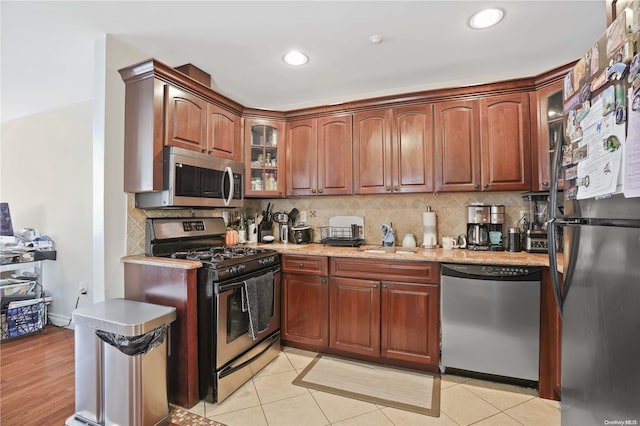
<point>265,158</point>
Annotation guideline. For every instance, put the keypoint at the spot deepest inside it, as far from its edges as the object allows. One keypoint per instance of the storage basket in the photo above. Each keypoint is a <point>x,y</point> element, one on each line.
<point>27,318</point>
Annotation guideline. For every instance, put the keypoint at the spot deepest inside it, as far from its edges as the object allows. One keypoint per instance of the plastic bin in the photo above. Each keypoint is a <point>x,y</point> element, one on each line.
<point>121,363</point>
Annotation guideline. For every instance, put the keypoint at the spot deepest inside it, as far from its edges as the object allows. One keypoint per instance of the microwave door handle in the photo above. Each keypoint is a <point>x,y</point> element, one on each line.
<point>229,173</point>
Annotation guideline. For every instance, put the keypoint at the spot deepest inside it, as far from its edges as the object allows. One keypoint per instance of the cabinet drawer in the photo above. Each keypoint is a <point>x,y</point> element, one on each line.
<point>312,265</point>
<point>415,272</point>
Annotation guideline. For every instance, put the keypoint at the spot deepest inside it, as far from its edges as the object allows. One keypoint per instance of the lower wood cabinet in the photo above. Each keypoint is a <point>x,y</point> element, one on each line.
<point>305,310</point>
<point>377,310</point>
<point>305,301</point>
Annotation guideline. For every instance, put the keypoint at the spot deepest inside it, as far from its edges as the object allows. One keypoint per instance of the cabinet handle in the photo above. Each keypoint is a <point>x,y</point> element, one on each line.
<point>320,191</point>
<point>300,265</point>
<point>476,186</point>
<point>375,286</point>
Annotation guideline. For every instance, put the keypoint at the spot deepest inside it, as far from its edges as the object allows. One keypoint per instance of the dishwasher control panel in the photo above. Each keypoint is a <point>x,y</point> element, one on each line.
<point>507,272</point>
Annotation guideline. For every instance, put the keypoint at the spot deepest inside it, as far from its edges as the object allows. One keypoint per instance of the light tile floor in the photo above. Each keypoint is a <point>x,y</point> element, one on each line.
<point>269,399</point>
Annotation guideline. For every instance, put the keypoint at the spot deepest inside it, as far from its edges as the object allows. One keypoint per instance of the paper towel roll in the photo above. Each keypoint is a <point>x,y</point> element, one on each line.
<point>430,234</point>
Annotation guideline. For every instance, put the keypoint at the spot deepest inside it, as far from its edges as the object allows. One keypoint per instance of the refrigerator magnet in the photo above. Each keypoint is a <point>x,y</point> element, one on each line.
<point>616,71</point>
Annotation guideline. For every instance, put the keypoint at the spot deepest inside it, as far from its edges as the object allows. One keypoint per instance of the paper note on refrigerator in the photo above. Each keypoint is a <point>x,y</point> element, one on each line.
<point>599,153</point>
<point>632,149</point>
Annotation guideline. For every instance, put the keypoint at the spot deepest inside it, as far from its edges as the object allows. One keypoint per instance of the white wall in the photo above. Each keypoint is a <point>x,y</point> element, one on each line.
<point>61,171</point>
<point>45,176</point>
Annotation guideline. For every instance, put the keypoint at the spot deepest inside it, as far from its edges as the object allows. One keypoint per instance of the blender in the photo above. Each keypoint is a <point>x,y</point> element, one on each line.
<point>535,238</point>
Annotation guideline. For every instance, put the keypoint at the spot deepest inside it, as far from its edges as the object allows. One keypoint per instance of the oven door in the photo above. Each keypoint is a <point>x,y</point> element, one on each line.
<point>232,337</point>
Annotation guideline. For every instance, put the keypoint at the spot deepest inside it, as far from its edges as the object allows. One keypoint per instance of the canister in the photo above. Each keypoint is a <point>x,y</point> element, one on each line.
<point>513,239</point>
<point>497,213</point>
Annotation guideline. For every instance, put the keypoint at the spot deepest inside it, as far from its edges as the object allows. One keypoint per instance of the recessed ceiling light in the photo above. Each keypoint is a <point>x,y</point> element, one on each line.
<point>376,39</point>
<point>486,18</point>
<point>295,58</point>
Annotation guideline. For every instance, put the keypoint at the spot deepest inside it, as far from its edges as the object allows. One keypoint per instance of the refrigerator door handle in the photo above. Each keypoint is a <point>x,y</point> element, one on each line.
<point>556,167</point>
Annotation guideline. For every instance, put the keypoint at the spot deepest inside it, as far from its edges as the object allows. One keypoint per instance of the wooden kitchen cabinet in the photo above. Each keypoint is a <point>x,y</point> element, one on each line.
<point>409,312</point>
<point>505,145</point>
<point>483,145</point>
<point>354,316</point>
<point>385,310</point>
<point>265,158</point>
<point>393,150</point>
<point>457,146</point>
<point>186,120</point>
<point>319,156</point>
<point>305,302</point>
<point>165,107</point>
<point>548,133</point>
<point>224,133</point>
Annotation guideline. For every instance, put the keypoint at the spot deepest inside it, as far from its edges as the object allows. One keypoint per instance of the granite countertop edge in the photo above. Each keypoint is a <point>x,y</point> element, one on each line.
<point>402,254</point>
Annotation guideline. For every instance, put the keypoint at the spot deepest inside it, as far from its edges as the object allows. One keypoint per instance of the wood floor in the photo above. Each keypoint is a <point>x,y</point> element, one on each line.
<point>37,378</point>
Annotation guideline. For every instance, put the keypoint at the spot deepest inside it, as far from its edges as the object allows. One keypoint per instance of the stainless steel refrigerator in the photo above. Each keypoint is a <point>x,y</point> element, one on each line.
<point>600,298</point>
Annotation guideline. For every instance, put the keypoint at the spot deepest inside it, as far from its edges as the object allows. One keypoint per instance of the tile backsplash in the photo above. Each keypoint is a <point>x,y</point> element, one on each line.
<point>403,210</point>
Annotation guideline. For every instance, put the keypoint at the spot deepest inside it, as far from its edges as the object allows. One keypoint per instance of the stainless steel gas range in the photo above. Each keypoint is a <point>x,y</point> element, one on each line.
<point>238,300</point>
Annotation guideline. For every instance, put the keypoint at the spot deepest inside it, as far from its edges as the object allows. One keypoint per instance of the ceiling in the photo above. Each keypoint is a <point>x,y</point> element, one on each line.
<point>47,56</point>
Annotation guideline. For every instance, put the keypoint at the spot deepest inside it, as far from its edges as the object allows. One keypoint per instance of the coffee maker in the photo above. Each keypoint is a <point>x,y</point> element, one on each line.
<point>485,227</point>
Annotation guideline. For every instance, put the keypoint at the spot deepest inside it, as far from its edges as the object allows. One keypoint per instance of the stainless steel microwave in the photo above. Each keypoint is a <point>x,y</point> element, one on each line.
<point>193,179</point>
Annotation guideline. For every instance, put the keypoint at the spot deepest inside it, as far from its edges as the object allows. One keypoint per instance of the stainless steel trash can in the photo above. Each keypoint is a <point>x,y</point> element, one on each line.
<point>115,387</point>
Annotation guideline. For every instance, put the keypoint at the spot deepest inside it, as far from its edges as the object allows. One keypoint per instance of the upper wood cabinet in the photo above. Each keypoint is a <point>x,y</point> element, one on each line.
<point>264,158</point>
<point>224,133</point>
<point>505,142</point>
<point>186,120</point>
<point>483,145</point>
<point>547,131</point>
<point>457,146</point>
<point>164,107</point>
<point>319,156</point>
<point>393,150</point>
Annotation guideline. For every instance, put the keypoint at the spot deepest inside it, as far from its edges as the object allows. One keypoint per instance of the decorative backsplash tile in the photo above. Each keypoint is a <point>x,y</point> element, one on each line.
<point>403,210</point>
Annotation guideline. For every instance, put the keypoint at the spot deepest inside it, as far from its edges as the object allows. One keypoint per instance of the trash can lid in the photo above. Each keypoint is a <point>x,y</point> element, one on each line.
<point>124,317</point>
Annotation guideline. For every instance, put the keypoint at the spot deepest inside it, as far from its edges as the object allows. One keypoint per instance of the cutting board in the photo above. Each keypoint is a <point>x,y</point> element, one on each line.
<point>346,222</point>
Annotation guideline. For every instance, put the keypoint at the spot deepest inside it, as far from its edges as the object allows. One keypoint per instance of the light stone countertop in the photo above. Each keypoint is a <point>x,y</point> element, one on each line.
<point>375,252</point>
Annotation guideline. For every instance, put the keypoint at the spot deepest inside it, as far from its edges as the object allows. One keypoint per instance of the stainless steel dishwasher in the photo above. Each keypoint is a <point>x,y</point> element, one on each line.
<point>491,319</point>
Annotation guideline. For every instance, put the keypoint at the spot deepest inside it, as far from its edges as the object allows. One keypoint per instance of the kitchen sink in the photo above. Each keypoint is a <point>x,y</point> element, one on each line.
<point>377,249</point>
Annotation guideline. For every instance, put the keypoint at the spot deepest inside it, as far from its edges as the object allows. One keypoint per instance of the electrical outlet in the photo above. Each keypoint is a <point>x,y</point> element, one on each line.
<point>82,288</point>
<point>303,217</point>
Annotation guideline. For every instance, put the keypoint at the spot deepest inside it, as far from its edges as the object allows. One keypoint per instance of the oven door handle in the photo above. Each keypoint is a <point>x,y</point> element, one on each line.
<point>232,368</point>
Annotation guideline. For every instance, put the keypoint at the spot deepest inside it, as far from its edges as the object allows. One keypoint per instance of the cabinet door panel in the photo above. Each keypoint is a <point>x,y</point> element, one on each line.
<point>372,152</point>
<point>457,134</point>
<point>413,149</point>
<point>354,316</point>
<point>305,309</point>
<point>224,137</point>
<point>506,146</point>
<point>410,322</point>
<point>186,115</point>
<point>302,156</point>
<point>335,159</point>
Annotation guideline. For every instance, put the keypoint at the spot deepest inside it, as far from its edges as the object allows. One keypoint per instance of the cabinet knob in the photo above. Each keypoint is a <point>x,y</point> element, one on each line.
<point>320,191</point>
<point>384,286</point>
<point>388,189</point>
<point>324,281</point>
<point>375,286</point>
<point>300,265</point>
<point>203,150</point>
<point>545,183</point>
<point>486,186</point>
<point>313,190</point>
<point>396,188</point>
<point>476,186</point>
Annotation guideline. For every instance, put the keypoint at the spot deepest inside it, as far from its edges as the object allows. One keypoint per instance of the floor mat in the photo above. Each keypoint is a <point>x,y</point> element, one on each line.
<point>390,386</point>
